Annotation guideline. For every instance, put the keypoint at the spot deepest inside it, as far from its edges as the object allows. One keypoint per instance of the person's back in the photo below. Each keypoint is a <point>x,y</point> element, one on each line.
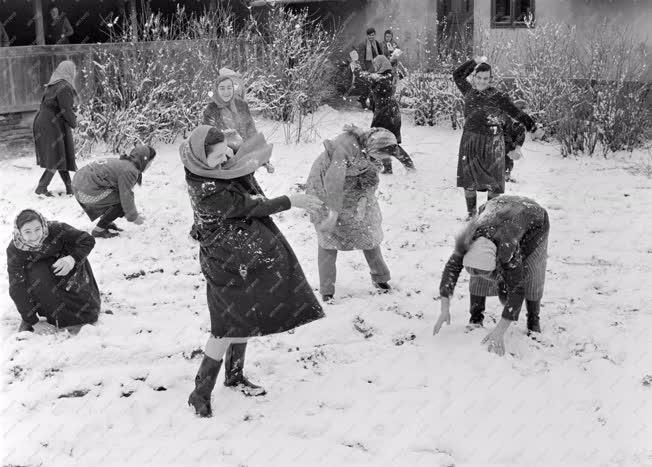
<point>106,174</point>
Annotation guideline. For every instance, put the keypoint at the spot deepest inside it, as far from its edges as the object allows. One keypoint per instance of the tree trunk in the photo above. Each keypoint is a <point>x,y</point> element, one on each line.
<point>39,23</point>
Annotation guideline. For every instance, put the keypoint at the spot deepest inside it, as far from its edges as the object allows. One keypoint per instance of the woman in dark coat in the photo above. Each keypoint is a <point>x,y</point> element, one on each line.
<point>345,178</point>
<point>254,283</point>
<point>387,113</point>
<point>49,274</point>
<point>505,250</point>
<point>53,124</point>
<point>105,189</point>
<point>481,158</point>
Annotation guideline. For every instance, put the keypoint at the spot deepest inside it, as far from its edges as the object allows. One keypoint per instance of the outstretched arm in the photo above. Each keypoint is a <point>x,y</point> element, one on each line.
<point>506,104</point>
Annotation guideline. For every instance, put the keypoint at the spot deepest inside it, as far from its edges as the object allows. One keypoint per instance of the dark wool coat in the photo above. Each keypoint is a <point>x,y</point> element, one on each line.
<point>63,300</point>
<point>481,158</point>
<point>517,225</point>
<point>221,116</point>
<point>362,54</point>
<point>58,28</point>
<point>53,128</point>
<point>254,282</point>
<point>387,113</point>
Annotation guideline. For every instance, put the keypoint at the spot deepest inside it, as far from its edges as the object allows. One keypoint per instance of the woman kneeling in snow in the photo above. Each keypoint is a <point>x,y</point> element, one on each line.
<point>105,189</point>
<point>506,244</point>
<point>49,274</point>
<point>254,283</point>
<point>345,178</point>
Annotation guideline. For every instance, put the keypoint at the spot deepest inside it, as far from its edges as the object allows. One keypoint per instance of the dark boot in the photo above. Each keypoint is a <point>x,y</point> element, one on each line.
<point>234,377</point>
<point>533,315</point>
<point>99,232</point>
<point>43,183</point>
<point>387,167</point>
<point>477,309</point>
<point>200,398</point>
<point>383,287</point>
<point>327,298</point>
<point>471,203</point>
<point>404,158</point>
<point>65,176</point>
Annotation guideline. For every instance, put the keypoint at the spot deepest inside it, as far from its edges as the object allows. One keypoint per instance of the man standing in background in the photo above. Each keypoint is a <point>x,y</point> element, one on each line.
<point>60,28</point>
<point>369,50</point>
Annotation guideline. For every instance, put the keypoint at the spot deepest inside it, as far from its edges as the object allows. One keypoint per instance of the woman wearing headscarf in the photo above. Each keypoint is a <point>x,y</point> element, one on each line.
<point>49,275</point>
<point>105,189</point>
<point>53,124</point>
<point>504,250</point>
<point>387,113</point>
<point>229,112</point>
<point>481,158</point>
<point>345,178</point>
<point>254,283</point>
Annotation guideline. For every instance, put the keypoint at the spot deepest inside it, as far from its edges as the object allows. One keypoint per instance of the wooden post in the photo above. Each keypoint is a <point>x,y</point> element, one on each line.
<point>39,23</point>
<point>133,19</point>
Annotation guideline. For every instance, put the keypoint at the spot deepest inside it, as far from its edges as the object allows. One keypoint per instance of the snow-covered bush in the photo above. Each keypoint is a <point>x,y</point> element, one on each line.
<point>589,92</point>
<point>155,90</point>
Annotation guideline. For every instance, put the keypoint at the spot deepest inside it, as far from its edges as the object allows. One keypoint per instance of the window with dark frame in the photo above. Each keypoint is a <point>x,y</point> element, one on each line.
<point>511,13</point>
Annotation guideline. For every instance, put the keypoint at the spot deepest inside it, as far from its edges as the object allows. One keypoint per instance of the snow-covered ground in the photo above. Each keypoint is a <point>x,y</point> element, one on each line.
<point>396,396</point>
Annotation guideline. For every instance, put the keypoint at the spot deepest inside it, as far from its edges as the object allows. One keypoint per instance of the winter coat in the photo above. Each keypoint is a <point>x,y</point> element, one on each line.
<point>63,300</point>
<point>223,117</point>
<point>59,30</point>
<point>108,182</point>
<point>52,128</point>
<point>255,284</point>
<point>387,113</point>
<point>483,110</point>
<point>367,65</point>
<point>359,224</point>
<point>517,225</point>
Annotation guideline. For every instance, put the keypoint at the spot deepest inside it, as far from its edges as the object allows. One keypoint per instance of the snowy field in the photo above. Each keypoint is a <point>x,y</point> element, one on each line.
<point>369,384</point>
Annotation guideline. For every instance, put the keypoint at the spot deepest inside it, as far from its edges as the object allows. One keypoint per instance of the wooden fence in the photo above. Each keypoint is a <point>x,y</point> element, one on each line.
<point>25,70</point>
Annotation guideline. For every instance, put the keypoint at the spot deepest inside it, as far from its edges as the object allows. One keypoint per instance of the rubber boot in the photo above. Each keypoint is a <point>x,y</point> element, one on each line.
<point>533,308</point>
<point>477,309</point>
<point>65,176</point>
<point>200,398</point>
<point>43,183</point>
<point>234,377</point>
<point>471,203</point>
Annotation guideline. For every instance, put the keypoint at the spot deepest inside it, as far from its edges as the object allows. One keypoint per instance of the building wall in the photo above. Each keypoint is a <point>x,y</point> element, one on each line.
<point>585,15</point>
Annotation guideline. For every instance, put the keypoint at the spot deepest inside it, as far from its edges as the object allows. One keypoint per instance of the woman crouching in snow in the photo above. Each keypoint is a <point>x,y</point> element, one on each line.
<point>506,245</point>
<point>105,189</point>
<point>254,283</point>
<point>345,178</point>
<point>49,274</point>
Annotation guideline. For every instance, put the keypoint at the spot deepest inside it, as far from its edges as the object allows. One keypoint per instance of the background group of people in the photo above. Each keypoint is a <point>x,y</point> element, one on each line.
<point>255,284</point>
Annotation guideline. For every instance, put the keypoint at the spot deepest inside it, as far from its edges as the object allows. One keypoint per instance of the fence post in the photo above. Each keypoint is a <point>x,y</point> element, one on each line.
<point>38,22</point>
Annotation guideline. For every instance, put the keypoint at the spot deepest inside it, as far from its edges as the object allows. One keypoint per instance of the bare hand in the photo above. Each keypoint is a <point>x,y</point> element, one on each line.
<point>308,202</point>
<point>444,315</point>
<point>63,266</point>
<point>139,220</point>
<point>42,328</point>
<point>328,224</point>
<point>538,133</point>
<point>515,154</point>
<point>480,59</point>
<point>270,168</point>
<point>496,342</point>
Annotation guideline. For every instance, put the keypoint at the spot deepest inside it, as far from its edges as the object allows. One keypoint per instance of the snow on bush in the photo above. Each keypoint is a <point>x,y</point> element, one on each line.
<point>155,90</point>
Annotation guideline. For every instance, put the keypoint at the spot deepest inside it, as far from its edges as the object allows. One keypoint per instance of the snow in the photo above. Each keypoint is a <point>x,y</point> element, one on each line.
<point>580,395</point>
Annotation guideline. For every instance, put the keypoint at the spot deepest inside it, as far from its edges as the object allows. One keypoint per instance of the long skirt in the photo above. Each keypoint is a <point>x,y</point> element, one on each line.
<point>535,276</point>
<point>481,162</point>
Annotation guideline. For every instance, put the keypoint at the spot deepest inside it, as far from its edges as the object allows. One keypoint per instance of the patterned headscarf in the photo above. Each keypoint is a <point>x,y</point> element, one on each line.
<point>252,154</point>
<point>20,242</point>
<point>65,71</point>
